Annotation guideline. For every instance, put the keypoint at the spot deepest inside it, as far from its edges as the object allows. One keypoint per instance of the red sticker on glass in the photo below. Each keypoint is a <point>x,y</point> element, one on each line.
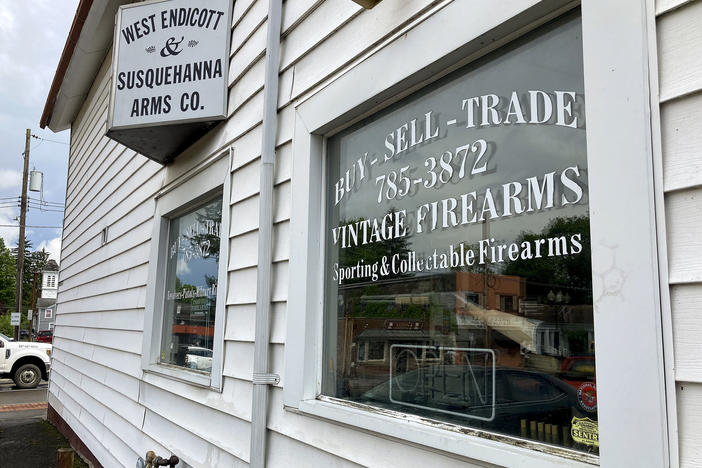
<point>587,396</point>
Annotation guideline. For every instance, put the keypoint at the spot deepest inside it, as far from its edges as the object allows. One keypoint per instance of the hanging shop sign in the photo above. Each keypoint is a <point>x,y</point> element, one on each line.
<point>170,74</point>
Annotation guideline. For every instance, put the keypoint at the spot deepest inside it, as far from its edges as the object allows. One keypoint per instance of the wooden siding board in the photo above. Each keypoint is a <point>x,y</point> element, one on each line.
<point>689,399</point>
<point>244,248</point>
<point>238,360</point>
<point>280,447</point>
<point>124,279</point>
<point>71,413</point>
<point>663,6</point>
<point>355,38</point>
<point>686,304</point>
<point>124,362</point>
<point>234,400</point>
<point>125,319</point>
<point>241,323</point>
<point>321,23</point>
<point>684,218</point>
<point>248,24</point>
<point>138,190</point>
<point>681,129</point>
<point>295,11</point>
<point>190,448</point>
<point>253,49</point>
<point>117,167</point>
<point>227,433</point>
<point>344,442</point>
<point>125,260</point>
<point>680,62</point>
<point>126,384</point>
<point>244,214</point>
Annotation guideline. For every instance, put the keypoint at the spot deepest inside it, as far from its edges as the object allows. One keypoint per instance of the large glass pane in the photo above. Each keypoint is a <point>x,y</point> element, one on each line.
<point>190,299</point>
<point>458,275</point>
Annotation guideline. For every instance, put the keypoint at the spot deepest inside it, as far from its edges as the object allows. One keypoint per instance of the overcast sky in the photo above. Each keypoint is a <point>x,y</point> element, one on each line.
<point>32,36</point>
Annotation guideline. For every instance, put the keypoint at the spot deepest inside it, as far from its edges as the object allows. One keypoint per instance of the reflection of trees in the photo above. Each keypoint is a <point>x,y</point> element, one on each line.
<point>566,271</point>
<point>373,252</point>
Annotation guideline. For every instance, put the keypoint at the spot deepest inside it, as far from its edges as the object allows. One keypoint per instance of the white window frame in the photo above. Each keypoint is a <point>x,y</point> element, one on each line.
<point>632,380</point>
<point>185,192</point>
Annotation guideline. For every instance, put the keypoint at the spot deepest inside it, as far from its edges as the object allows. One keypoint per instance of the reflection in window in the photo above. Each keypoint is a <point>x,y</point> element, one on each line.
<point>192,260</point>
<point>458,277</point>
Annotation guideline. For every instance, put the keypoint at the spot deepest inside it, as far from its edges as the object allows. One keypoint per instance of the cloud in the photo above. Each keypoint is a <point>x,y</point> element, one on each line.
<point>53,246</point>
<point>10,179</point>
<point>182,267</point>
<point>9,234</point>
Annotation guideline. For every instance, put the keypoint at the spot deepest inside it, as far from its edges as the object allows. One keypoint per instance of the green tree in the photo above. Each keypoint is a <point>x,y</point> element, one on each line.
<point>8,278</point>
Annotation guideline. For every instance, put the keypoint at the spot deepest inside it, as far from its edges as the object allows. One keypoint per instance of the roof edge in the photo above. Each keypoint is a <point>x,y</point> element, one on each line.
<point>76,28</point>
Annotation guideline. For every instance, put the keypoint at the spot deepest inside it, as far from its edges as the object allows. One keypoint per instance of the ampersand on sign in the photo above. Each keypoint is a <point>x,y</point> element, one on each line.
<point>171,47</point>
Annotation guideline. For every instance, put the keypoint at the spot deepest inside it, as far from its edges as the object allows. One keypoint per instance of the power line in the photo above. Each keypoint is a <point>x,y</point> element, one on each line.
<point>33,227</point>
<point>52,141</point>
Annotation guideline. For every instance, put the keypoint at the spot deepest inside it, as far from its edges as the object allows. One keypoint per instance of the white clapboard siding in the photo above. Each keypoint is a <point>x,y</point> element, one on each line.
<point>117,319</point>
<point>238,361</point>
<point>118,165</point>
<point>681,128</point>
<point>360,447</point>
<point>279,448</point>
<point>183,443</point>
<point>69,410</point>
<point>684,225</point>
<point>679,58</point>
<point>249,52</point>
<point>222,430</point>
<point>139,189</point>
<point>251,21</point>
<point>663,6</point>
<point>686,303</point>
<point>241,323</point>
<point>92,252</point>
<point>125,384</point>
<point>358,36</point>
<point>235,398</point>
<point>96,270</point>
<point>244,214</point>
<point>689,423</point>
<point>243,248</point>
<point>239,10</point>
<point>242,284</point>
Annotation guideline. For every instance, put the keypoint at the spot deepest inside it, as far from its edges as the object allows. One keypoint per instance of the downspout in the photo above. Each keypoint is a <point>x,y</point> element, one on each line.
<point>262,378</point>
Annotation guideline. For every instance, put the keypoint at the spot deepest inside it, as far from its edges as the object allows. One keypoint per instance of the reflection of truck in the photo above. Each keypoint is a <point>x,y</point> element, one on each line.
<point>25,363</point>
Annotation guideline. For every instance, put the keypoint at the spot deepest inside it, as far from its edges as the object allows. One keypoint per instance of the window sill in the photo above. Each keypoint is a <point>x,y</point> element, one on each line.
<point>182,374</point>
<point>475,444</point>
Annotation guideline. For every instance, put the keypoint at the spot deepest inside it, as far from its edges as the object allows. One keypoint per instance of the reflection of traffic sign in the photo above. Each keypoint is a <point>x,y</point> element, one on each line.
<point>15,319</point>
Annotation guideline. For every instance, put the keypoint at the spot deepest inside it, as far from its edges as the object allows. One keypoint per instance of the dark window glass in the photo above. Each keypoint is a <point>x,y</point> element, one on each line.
<point>457,272</point>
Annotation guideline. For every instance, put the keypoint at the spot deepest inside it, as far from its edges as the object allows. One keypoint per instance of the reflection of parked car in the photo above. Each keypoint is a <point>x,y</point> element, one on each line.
<point>464,394</point>
<point>45,336</point>
<point>577,370</point>
<point>199,358</point>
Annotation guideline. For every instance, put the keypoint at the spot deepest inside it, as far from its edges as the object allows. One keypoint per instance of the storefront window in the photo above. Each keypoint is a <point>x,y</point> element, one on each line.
<point>192,260</point>
<point>458,282</point>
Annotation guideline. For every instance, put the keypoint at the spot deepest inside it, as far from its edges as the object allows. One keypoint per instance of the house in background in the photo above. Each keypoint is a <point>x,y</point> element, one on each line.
<point>46,304</point>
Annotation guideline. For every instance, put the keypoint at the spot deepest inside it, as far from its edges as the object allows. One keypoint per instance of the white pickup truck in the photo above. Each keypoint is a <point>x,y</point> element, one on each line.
<point>24,362</point>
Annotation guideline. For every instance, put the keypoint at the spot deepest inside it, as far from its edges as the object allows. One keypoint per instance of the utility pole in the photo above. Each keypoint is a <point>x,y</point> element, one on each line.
<point>23,218</point>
